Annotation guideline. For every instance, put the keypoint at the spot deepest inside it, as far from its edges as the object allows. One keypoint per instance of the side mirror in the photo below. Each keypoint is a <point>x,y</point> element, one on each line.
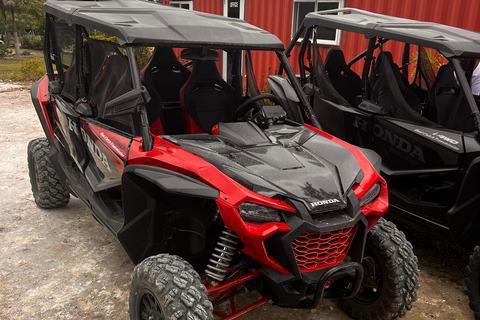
<point>125,104</point>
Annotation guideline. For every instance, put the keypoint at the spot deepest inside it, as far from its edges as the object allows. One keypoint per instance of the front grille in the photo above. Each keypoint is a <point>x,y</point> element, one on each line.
<point>315,251</point>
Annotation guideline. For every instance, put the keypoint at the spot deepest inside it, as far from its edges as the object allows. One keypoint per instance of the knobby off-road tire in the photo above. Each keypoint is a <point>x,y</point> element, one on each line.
<point>46,187</point>
<point>473,282</point>
<point>167,287</point>
<point>397,272</point>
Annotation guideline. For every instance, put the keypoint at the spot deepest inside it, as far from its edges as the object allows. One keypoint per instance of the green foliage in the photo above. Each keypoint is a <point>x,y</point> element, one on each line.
<point>30,41</point>
<point>10,68</point>
<point>143,54</point>
<point>31,70</point>
<point>432,61</point>
<point>4,50</point>
<point>103,37</point>
<point>26,53</point>
<point>265,86</point>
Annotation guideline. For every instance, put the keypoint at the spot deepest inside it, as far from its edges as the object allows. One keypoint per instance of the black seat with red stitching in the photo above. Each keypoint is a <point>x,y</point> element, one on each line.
<point>165,74</point>
<point>206,98</point>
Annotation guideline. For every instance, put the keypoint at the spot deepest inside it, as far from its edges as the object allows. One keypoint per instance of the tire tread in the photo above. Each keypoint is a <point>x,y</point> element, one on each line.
<point>174,279</point>
<point>400,272</point>
<point>473,282</point>
<point>48,192</point>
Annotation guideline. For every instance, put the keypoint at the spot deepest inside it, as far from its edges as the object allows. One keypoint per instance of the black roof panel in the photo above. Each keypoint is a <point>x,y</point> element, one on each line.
<point>449,40</point>
<point>135,21</point>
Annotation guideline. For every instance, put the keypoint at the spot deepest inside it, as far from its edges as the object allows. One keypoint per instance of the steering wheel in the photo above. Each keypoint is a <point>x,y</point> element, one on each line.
<point>244,107</point>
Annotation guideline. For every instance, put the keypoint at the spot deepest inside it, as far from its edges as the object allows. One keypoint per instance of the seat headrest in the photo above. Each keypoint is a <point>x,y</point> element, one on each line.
<point>164,56</point>
<point>335,60</point>
<point>196,54</point>
<point>204,71</point>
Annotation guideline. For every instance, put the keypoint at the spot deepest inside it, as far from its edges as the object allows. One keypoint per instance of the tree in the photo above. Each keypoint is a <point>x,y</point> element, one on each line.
<point>32,7</point>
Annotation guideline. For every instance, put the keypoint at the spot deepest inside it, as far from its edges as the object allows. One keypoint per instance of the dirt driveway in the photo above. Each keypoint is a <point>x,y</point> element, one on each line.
<point>61,264</point>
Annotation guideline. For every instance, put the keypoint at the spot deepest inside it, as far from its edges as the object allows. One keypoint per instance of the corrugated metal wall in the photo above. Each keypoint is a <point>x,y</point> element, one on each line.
<point>209,6</point>
<point>275,16</point>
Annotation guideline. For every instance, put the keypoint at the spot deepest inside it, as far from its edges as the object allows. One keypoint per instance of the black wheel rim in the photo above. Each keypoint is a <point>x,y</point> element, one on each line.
<point>368,296</point>
<point>148,306</point>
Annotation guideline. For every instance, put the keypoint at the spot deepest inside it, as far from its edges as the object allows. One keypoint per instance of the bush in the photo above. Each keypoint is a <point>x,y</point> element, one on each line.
<point>4,50</point>
<point>31,41</point>
<point>26,53</point>
<point>103,37</point>
<point>32,69</point>
<point>143,54</point>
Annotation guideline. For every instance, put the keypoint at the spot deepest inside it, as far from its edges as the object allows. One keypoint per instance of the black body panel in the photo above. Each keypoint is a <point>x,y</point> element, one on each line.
<point>166,212</point>
<point>273,162</point>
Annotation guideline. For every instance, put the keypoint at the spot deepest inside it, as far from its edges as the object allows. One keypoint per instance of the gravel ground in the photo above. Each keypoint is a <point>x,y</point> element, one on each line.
<point>61,264</point>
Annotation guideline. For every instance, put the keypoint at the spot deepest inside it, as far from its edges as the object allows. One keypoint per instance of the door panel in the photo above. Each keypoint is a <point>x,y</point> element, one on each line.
<point>107,151</point>
<point>67,131</point>
<point>408,146</point>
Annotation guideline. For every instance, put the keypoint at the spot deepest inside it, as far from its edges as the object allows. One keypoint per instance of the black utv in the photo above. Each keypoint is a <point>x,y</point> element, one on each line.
<point>208,186</point>
<point>414,108</point>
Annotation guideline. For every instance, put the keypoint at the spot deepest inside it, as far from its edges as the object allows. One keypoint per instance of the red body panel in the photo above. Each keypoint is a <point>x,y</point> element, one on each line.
<point>117,144</point>
<point>232,194</point>
<point>42,99</point>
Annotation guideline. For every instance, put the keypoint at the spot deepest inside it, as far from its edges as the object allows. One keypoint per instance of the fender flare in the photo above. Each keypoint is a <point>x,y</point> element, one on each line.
<point>146,222</point>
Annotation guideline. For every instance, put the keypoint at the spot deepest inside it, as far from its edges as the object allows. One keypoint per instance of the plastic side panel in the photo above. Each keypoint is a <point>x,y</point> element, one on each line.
<point>464,216</point>
<point>39,93</point>
<point>343,122</point>
<point>107,167</point>
<point>371,177</point>
<point>404,145</point>
<point>176,183</point>
<point>169,156</point>
<point>139,234</point>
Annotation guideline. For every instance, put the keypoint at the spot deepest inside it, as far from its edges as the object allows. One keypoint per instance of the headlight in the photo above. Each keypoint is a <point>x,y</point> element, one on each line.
<point>255,213</point>
<point>371,195</point>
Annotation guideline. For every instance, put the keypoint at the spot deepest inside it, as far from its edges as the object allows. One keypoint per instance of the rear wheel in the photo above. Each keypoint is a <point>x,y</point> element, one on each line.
<point>473,282</point>
<point>46,187</point>
<point>167,287</point>
<point>391,276</point>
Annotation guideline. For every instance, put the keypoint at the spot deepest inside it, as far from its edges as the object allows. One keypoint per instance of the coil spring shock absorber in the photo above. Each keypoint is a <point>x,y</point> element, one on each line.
<point>222,255</point>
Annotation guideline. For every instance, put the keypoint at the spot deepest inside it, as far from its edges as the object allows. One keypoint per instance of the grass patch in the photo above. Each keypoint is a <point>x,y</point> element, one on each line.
<point>10,67</point>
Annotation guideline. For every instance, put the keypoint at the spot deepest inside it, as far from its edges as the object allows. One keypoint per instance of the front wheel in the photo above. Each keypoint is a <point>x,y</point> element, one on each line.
<point>167,287</point>
<point>473,282</point>
<point>391,277</point>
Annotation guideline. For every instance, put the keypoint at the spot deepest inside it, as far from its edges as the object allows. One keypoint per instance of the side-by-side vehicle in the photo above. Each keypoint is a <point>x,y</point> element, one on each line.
<point>211,190</point>
<point>406,95</point>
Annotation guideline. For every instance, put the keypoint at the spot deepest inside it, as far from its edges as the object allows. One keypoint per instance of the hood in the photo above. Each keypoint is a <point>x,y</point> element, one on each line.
<point>283,161</point>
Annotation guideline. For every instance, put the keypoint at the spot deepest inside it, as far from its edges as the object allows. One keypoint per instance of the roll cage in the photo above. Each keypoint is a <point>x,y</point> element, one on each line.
<point>453,43</point>
<point>137,24</point>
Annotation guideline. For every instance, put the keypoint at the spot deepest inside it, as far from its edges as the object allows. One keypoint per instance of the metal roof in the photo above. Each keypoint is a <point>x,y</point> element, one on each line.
<point>135,21</point>
<point>449,40</point>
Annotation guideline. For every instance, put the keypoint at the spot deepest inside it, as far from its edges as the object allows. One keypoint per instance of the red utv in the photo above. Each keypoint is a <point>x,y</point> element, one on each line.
<point>211,189</point>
